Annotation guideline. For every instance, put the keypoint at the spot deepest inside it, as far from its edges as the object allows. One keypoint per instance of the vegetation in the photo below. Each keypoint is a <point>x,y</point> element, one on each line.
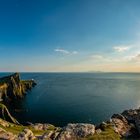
<point>16,129</point>
<point>6,112</point>
<point>106,134</point>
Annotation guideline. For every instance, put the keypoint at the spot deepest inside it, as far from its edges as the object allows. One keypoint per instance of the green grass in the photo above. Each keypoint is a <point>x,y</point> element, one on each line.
<point>106,134</point>
<point>16,129</point>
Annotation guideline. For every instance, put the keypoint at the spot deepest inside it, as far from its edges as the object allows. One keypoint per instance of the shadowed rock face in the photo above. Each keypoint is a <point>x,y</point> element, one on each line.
<point>12,87</point>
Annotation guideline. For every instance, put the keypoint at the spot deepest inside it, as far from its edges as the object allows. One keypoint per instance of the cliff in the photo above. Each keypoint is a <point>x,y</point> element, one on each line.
<point>13,87</point>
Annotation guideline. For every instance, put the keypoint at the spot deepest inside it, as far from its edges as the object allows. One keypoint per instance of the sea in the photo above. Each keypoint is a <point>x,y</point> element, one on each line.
<point>62,98</point>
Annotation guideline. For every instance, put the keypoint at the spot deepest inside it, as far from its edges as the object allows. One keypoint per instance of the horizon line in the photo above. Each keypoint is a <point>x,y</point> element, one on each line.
<point>69,72</point>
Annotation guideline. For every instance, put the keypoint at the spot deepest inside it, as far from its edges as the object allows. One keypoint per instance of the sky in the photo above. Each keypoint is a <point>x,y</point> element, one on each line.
<point>69,35</point>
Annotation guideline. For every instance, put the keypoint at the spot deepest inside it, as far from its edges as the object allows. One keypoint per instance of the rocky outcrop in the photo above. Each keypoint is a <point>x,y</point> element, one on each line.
<point>121,125</point>
<point>76,131</point>
<point>133,117</point>
<point>13,87</point>
<point>26,134</point>
<point>40,126</point>
<point>3,90</point>
<point>5,135</point>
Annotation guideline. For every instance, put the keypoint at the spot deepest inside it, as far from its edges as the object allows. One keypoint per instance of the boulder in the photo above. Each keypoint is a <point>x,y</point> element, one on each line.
<point>121,125</point>
<point>40,126</point>
<point>47,136</point>
<point>75,131</point>
<point>4,123</point>
<point>26,134</point>
<point>131,114</point>
<point>4,135</point>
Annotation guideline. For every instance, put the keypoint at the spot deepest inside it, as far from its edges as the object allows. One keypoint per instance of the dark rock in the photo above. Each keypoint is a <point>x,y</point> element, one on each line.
<point>133,117</point>
<point>131,114</point>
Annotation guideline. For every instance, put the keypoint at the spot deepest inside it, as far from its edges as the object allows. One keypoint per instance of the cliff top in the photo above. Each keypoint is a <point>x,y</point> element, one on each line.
<point>14,86</point>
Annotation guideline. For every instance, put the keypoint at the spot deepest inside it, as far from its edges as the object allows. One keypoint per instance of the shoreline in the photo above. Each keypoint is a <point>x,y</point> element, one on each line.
<point>124,125</point>
<point>121,126</point>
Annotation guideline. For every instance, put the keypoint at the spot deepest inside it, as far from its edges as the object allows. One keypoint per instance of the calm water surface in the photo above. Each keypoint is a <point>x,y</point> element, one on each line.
<point>60,98</point>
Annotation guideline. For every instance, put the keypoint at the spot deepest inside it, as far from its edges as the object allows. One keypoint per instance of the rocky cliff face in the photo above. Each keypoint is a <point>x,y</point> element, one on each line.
<point>13,87</point>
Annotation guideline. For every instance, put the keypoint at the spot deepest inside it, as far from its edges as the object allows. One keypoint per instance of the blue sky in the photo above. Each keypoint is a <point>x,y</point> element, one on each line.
<point>69,35</point>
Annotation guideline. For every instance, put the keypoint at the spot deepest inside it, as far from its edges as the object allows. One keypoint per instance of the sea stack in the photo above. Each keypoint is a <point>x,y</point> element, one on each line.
<point>13,87</point>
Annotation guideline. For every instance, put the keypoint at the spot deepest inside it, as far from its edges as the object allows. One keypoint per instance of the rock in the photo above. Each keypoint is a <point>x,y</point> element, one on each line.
<point>98,131</point>
<point>3,90</point>
<point>137,123</point>
<point>74,131</point>
<point>4,123</point>
<point>121,117</point>
<point>131,114</point>
<point>40,126</point>
<point>121,125</point>
<point>12,87</point>
<point>66,135</point>
<point>26,134</point>
<point>55,135</point>
<point>47,135</point>
<point>4,135</point>
<point>133,117</point>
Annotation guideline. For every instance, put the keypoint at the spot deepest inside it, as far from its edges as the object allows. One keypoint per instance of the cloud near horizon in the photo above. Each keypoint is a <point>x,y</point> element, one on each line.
<point>134,58</point>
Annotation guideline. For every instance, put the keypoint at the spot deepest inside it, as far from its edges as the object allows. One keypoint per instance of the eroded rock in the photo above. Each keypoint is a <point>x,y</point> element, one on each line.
<point>121,125</point>
<point>4,123</point>
<point>74,131</point>
<point>13,87</point>
<point>26,134</point>
<point>40,126</point>
<point>131,114</point>
<point>4,135</point>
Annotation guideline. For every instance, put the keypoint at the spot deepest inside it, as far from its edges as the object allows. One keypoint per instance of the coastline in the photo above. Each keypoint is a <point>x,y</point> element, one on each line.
<point>124,125</point>
<point>121,126</point>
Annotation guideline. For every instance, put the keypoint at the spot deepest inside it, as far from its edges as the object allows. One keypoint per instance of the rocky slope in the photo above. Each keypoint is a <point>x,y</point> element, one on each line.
<point>13,87</point>
<point>120,126</point>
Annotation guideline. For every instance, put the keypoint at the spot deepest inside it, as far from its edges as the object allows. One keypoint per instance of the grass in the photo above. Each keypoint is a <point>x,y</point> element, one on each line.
<point>106,134</point>
<point>16,129</point>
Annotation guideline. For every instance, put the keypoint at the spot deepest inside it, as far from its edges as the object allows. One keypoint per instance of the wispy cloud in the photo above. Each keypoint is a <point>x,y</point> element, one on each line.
<point>137,57</point>
<point>97,56</point>
<point>63,51</point>
<point>133,58</point>
<point>121,48</point>
<point>100,58</point>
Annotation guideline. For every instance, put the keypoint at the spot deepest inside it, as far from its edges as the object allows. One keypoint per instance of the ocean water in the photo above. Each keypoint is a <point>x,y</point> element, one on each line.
<point>61,98</point>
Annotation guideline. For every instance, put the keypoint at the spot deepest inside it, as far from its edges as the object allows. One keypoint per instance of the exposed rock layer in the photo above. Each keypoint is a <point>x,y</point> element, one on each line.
<point>13,87</point>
